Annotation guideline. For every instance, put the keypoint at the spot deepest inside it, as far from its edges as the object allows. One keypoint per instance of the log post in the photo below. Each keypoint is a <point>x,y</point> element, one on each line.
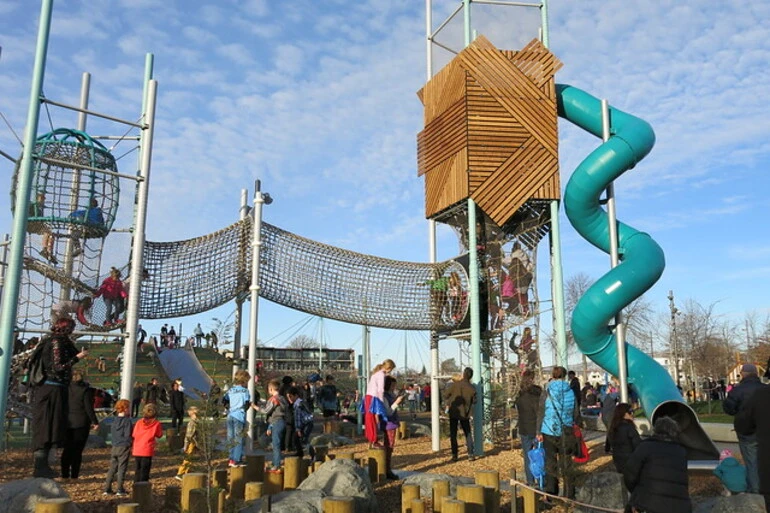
<point>417,506</point>
<point>173,440</point>
<point>172,499</point>
<point>529,498</point>
<point>237,482</point>
<point>58,505</point>
<point>219,478</point>
<point>472,496</point>
<point>190,482</point>
<point>514,493</point>
<point>346,455</point>
<point>126,507</point>
<point>321,451</point>
<point>254,491</point>
<point>378,454</point>
<point>317,465</point>
<point>452,506</point>
<point>371,466</point>
<point>339,505</point>
<point>273,482</point>
<point>292,468</point>
<point>440,490</point>
<point>255,467</point>
<point>142,494</point>
<point>408,492</point>
<point>403,432</point>
<point>328,429</point>
<point>199,503</point>
<point>490,479</point>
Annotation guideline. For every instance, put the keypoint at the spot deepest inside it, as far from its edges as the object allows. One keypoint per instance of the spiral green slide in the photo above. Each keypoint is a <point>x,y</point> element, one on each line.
<point>641,262</point>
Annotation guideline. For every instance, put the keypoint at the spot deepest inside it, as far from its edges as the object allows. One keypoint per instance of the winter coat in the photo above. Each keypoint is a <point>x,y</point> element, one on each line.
<point>527,405</point>
<point>120,432</point>
<point>111,288</point>
<point>656,476</point>
<point>239,401</point>
<point>58,359</point>
<point>81,405</point>
<point>327,397</point>
<point>754,417</point>
<point>145,432</point>
<point>623,442</point>
<point>177,401</point>
<point>558,408</point>
<point>460,396</point>
<point>152,394</point>
<point>739,395</point>
<point>732,474</point>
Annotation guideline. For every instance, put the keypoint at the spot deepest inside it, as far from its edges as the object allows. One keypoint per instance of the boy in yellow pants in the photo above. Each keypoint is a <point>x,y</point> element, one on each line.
<point>190,442</point>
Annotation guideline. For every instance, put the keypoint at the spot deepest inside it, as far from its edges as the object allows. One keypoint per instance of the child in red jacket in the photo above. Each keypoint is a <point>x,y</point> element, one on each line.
<point>145,432</point>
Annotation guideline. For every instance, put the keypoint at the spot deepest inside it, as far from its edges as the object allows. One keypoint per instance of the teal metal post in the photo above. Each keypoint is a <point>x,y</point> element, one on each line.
<point>557,278</point>
<point>23,186</point>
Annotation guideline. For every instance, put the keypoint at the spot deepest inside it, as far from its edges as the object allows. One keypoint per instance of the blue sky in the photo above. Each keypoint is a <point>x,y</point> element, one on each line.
<point>317,99</point>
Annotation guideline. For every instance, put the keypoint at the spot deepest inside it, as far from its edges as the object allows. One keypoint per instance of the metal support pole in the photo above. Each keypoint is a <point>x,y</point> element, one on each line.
<point>673,342</point>
<point>256,244</point>
<point>237,356</point>
<point>4,264</point>
<point>10,301</point>
<point>612,219</point>
<point>473,264</point>
<point>69,260</point>
<point>137,247</point>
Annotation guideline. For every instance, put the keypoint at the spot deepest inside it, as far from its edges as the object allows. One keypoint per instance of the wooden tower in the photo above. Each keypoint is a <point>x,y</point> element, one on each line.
<point>490,131</point>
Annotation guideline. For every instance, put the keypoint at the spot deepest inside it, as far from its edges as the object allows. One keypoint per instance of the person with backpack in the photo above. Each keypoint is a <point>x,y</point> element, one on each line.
<point>327,397</point>
<point>303,421</point>
<point>50,373</point>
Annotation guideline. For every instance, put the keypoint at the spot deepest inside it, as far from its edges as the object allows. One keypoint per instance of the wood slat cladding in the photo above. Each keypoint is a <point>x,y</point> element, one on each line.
<point>493,112</point>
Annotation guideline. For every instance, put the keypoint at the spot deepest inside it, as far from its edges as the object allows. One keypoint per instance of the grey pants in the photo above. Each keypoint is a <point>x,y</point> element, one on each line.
<point>119,466</point>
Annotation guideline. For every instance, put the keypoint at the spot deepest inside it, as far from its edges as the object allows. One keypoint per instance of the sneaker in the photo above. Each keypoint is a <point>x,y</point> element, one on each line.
<point>178,477</point>
<point>392,475</point>
<point>121,493</point>
<point>108,492</point>
<point>232,463</point>
<point>472,457</point>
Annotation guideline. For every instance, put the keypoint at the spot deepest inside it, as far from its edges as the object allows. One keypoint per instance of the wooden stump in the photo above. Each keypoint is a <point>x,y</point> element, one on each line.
<point>219,478</point>
<point>292,469</point>
<point>199,503</point>
<point>378,455</point>
<point>403,431</point>
<point>417,506</point>
<point>453,506</point>
<point>58,505</point>
<point>174,440</point>
<point>371,465</point>
<point>409,492</point>
<point>254,491</point>
<point>190,482</point>
<point>321,451</point>
<point>440,490</point>
<point>490,480</point>
<point>172,499</point>
<point>472,496</point>
<point>237,482</point>
<point>273,482</point>
<point>339,505</point>
<point>346,455</point>
<point>255,467</point>
<point>529,498</point>
<point>307,468</point>
<point>317,465</point>
<point>127,507</point>
<point>142,494</point>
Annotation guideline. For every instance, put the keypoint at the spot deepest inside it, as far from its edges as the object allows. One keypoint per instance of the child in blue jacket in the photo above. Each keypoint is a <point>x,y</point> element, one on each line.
<point>731,473</point>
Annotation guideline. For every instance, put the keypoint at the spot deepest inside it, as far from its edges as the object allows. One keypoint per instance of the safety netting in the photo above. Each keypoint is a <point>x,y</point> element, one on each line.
<point>196,275</point>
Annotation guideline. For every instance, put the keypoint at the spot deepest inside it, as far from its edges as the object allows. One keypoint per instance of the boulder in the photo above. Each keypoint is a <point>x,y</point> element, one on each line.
<point>602,489</point>
<point>425,482</point>
<point>95,442</point>
<point>21,496</point>
<point>417,430</point>
<point>331,440</point>
<point>292,501</point>
<point>343,478</point>
<point>743,503</point>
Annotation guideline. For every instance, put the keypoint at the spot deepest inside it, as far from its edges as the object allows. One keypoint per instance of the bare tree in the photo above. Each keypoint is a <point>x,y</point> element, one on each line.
<point>449,366</point>
<point>223,330</point>
<point>303,342</point>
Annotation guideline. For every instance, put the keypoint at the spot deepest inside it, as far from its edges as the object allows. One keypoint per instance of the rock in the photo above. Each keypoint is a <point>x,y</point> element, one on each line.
<point>331,440</point>
<point>293,501</point>
<point>21,496</point>
<point>743,503</point>
<point>417,430</point>
<point>425,482</point>
<point>344,478</point>
<point>95,442</point>
<point>603,489</point>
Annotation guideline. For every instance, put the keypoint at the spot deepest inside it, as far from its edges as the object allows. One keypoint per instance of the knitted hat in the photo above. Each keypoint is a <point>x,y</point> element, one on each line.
<point>749,368</point>
<point>727,453</point>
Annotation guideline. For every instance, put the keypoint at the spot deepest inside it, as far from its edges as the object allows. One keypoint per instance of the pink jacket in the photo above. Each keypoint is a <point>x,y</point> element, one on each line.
<point>111,289</point>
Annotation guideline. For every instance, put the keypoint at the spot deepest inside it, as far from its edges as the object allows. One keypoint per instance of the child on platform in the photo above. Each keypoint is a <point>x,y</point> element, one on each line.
<point>275,411</point>
<point>303,421</point>
<point>237,400</point>
<point>146,431</point>
<point>121,448</point>
<point>190,442</point>
<point>731,473</point>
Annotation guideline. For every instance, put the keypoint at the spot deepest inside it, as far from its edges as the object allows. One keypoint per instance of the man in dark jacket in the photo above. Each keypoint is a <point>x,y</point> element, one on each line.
<point>152,393</point>
<point>176,400</point>
<point>574,384</point>
<point>656,473</point>
<point>527,404</point>
<point>754,417</point>
<point>81,419</point>
<point>747,441</point>
<point>460,397</point>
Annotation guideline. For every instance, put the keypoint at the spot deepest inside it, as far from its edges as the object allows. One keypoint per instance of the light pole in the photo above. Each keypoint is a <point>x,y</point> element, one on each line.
<point>673,343</point>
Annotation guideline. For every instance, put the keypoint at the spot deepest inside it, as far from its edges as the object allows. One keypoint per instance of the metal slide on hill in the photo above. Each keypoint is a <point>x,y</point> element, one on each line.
<point>641,262</point>
<point>182,363</point>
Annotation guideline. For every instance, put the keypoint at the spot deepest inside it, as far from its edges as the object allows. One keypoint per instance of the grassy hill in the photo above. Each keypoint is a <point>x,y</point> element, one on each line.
<point>146,367</point>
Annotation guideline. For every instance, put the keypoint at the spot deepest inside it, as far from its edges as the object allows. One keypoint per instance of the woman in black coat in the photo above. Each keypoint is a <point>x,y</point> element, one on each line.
<point>177,406</point>
<point>81,420</point>
<point>656,473</point>
<point>622,435</point>
<point>754,417</point>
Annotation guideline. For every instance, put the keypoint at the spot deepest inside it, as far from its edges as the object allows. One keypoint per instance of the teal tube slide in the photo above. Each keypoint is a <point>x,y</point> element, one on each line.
<point>641,262</point>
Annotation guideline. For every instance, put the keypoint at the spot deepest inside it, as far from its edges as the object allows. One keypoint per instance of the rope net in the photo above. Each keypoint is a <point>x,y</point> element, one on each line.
<point>195,275</point>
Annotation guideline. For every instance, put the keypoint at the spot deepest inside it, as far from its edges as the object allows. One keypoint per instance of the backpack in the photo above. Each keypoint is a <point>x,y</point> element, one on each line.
<point>302,416</point>
<point>581,455</point>
<point>35,375</point>
<point>537,463</point>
